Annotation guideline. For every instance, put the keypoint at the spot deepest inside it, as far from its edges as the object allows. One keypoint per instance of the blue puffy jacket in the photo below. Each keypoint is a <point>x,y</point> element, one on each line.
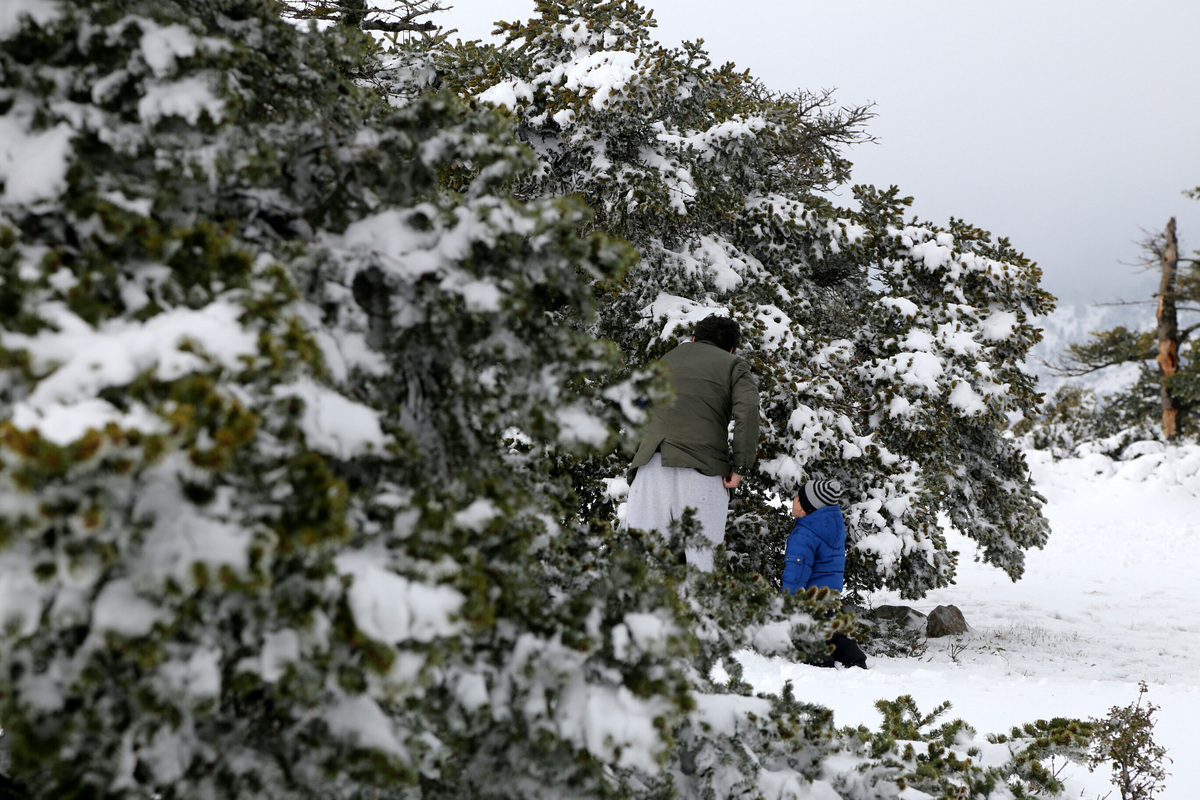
<point>816,551</point>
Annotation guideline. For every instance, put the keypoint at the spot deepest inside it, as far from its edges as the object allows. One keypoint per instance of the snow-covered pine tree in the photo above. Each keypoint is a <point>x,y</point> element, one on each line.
<point>941,369</point>
<point>260,531</point>
<point>277,512</point>
<point>888,350</point>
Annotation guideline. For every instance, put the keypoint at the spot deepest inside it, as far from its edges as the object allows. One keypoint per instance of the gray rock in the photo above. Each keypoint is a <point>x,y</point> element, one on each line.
<point>945,621</point>
<point>900,615</point>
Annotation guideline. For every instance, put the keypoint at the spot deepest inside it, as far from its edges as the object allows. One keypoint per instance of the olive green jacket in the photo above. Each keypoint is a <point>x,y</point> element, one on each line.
<point>712,387</point>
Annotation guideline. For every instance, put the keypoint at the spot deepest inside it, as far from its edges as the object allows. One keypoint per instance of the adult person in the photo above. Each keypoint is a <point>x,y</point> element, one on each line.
<point>816,556</point>
<point>684,459</point>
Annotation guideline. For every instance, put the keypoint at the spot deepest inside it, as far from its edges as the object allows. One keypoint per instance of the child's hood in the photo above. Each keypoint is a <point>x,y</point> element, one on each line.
<point>826,524</point>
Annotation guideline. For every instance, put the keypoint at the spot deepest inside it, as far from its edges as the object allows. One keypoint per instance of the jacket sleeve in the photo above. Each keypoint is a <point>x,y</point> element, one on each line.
<point>798,559</point>
<point>745,417</point>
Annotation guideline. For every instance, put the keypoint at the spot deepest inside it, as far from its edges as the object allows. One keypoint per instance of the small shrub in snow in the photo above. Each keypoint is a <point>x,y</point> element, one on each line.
<point>908,751</point>
<point>1125,741</point>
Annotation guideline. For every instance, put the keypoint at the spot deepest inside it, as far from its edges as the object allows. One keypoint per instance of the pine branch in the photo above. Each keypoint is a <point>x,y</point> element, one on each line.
<point>1107,349</point>
<point>403,17</point>
<point>1188,331</point>
<point>397,27</point>
<point>1071,369</point>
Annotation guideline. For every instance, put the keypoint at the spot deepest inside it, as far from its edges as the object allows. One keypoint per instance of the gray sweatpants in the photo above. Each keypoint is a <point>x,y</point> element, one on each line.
<point>660,494</point>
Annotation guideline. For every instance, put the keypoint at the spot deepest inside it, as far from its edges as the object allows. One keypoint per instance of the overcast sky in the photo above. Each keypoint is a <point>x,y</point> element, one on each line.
<point>1070,127</point>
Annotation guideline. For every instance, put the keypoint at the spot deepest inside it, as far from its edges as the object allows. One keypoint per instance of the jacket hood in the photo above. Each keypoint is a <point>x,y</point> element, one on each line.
<point>827,523</point>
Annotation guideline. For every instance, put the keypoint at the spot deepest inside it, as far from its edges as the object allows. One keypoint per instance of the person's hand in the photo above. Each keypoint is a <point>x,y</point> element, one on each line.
<point>732,481</point>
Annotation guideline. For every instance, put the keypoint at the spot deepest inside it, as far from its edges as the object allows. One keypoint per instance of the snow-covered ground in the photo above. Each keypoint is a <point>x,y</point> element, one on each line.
<point>1112,600</point>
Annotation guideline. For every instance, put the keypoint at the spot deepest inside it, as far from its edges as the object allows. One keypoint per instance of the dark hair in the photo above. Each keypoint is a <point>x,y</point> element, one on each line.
<point>724,332</point>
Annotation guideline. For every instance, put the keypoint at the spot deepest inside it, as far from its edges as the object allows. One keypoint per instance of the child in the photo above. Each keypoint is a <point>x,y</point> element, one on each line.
<point>816,555</point>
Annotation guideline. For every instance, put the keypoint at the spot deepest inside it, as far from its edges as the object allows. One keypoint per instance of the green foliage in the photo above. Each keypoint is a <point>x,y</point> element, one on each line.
<point>1125,739</point>
<point>887,637</point>
<point>1043,741</point>
<point>198,572</point>
<point>1140,405</point>
<point>1116,346</point>
<point>945,761</point>
<point>306,421</point>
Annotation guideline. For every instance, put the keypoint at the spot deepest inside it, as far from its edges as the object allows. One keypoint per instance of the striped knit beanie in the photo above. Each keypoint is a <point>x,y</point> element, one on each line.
<point>818,494</point>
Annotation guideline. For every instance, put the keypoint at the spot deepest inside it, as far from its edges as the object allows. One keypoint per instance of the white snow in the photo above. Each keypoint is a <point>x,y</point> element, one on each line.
<point>40,12</point>
<point>186,98</point>
<point>33,165</point>
<point>162,45</point>
<point>901,305</point>
<point>673,311</point>
<point>917,369</point>
<point>477,515</point>
<point>719,136</point>
<point>919,340</point>
<point>508,93</point>
<point>998,325</point>
<point>199,677</point>
<point>605,73</point>
<point>20,595</point>
<point>334,424</point>
<point>391,608</point>
<point>280,648</point>
<point>564,118</point>
<point>361,718</point>
<point>966,399</point>
<point>85,360</point>
<point>183,534</point>
<point>716,259</point>
<point>63,424</point>
<point>121,610</point>
<point>1111,601</point>
<point>471,690</point>
<point>723,712</point>
<point>934,255</point>
<point>406,244</point>
<point>612,723</point>
<point>774,637</point>
<point>577,424</point>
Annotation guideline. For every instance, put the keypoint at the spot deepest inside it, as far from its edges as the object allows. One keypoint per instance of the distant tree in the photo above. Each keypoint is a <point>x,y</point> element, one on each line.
<point>1168,386</point>
<point>887,349</point>
<point>1167,316</point>
<point>1073,417</point>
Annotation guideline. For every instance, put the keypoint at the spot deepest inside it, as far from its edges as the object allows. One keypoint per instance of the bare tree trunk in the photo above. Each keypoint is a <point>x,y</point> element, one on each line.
<point>1168,330</point>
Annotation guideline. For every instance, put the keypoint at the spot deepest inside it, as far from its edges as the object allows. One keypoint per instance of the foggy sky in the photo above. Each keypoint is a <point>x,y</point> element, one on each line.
<point>1070,127</point>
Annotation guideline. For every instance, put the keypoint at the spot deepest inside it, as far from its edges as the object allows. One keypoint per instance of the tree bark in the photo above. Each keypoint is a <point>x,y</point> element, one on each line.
<point>1168,330</point>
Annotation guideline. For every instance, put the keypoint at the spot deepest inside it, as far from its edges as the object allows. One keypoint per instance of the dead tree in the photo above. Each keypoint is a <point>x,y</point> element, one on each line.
<point>1155,349</point>
<point>1168,330</point>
